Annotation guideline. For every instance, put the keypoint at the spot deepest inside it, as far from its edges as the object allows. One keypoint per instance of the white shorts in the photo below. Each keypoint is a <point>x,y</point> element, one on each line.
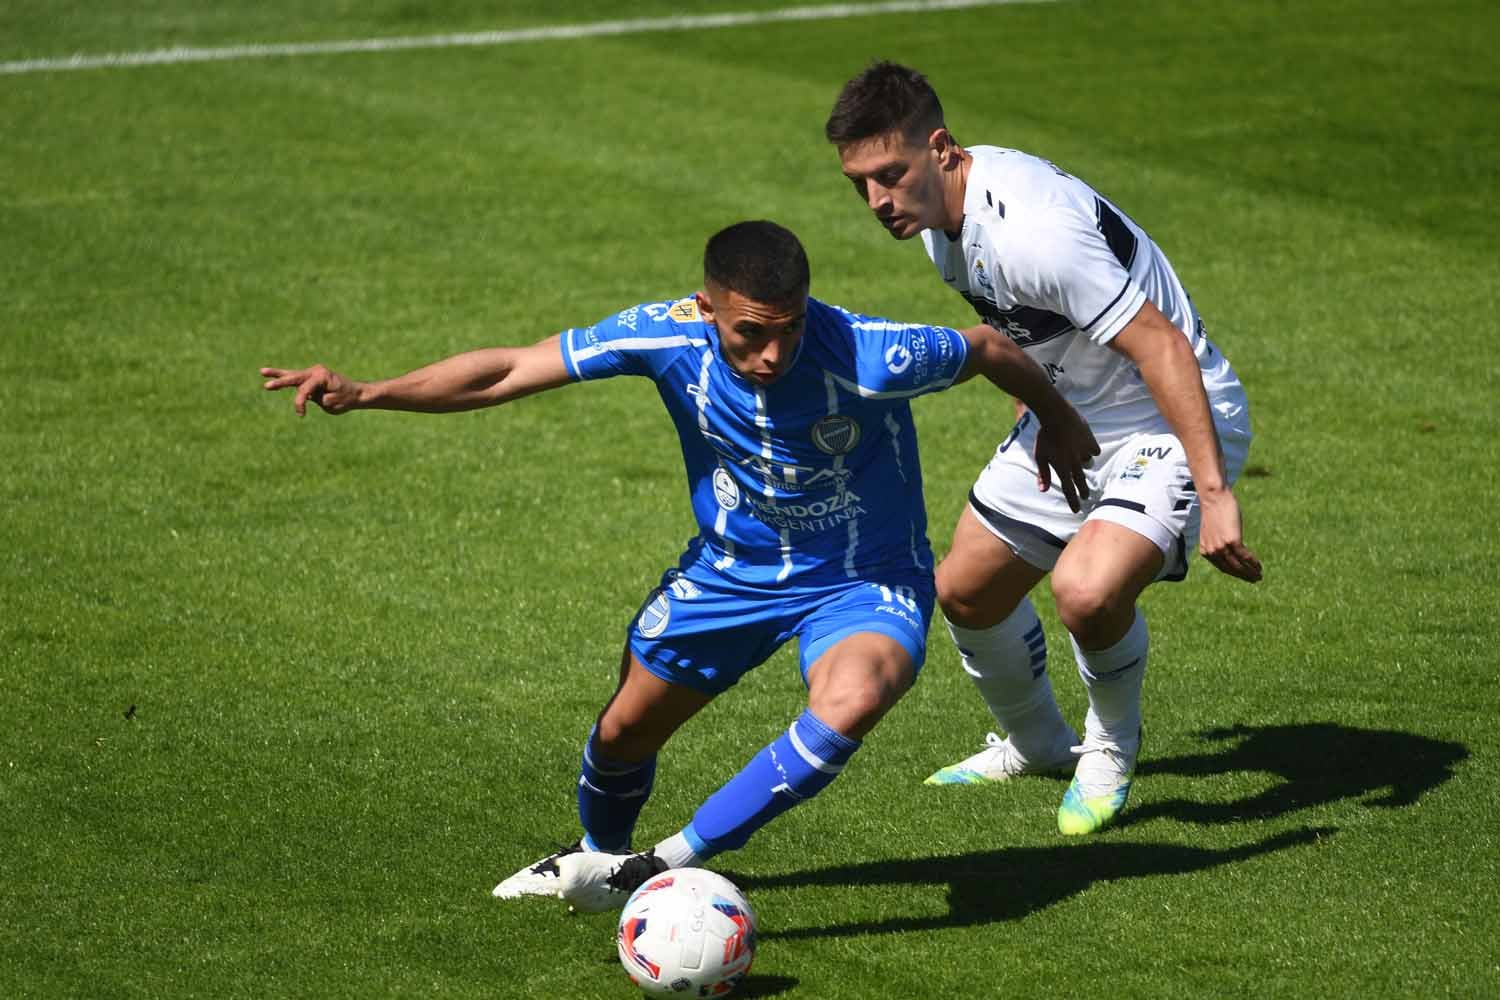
<point>1140,481</point>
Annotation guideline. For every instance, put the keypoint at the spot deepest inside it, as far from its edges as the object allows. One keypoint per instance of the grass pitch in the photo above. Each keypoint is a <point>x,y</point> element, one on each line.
<point>285,698</point>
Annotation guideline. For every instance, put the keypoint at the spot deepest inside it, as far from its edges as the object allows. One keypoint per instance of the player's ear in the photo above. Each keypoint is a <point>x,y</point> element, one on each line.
<point>940,141</point>
<point>705,305</point>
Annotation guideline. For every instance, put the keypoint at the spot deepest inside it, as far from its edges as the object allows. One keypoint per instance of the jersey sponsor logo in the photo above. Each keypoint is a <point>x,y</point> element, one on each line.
<point>897,358</point>
<point>1027,326</point>
<point>629,317</point>
<point>1136,469</point>
<point>653,618</point>
<point>1155,451</point>
<point>817,515</point>
<point>836,434</point>
<point>788,477</point>
<point>726,490</point>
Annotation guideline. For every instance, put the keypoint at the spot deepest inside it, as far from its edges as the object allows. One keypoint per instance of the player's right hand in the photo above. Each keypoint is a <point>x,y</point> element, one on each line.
<point>328,389</point>
<point>1065,444</point>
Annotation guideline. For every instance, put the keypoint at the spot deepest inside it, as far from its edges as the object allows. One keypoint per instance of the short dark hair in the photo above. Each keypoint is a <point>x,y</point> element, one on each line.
<point>886,97</point>
<point>760,260</point>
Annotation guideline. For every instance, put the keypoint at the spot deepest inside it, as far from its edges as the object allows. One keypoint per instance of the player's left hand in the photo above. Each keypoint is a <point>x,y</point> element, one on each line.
<point>1219,537</point>
<point>328,389</point>
<point>1065,444</point>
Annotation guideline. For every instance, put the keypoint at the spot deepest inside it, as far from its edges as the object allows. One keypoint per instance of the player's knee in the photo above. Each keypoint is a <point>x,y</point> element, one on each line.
<point>853,706</point>
<point>626,738</point>
<point>1085,607</point>
<point>962,602</point>
<point>854,709</point>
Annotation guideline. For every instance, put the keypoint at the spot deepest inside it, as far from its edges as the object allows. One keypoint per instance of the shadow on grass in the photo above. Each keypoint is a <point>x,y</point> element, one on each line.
<point>1010,883</point>
<point>763,986</point>
<point>1318,763</point>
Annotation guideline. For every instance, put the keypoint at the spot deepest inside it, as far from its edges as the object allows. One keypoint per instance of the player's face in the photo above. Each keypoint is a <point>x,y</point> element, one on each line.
<point>756,339</point>
<point>901,179</point>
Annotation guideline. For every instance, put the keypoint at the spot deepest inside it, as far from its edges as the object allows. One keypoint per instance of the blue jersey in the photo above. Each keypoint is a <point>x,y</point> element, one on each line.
<point>810,480</point>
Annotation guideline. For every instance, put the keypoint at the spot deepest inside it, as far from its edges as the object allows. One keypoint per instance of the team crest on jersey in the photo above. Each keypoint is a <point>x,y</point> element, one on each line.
<point>726,490</point>
<point>836,434</point>
<point>653,618</point>
<point>684,311</point>
<point>981,278</point>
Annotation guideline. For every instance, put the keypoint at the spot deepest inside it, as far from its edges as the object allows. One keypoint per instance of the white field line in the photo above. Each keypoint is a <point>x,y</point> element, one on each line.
<point>687,22</point>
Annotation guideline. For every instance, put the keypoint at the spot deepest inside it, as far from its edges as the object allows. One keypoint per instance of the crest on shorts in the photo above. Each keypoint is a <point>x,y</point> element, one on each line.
<point>653,618</point>
<point>836,434</point>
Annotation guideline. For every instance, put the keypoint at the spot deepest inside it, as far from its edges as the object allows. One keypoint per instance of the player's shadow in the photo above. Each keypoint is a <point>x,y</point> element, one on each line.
<point>763,986</point>
<point>1318,763</point>
<point>1008,884</point>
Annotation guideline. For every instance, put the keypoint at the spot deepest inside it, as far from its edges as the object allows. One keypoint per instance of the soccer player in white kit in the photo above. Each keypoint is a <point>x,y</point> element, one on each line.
<point>1085,292</point>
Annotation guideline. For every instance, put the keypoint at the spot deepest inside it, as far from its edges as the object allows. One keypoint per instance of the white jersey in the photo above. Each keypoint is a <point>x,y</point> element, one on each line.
<point>1050,262</point>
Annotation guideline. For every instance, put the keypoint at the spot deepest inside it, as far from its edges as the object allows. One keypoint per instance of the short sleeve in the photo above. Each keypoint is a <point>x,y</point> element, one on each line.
<point>635,341</point>
<point>904,359</point>
<point>1063,263</point>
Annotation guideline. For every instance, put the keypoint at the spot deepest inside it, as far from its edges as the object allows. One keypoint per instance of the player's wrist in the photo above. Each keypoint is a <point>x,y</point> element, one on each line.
<point>1211,493</point>
<point>1049,406</point>
<point>364,394</point>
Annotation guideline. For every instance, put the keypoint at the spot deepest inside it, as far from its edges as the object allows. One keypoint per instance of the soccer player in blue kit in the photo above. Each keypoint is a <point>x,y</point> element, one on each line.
<point>802,467</point>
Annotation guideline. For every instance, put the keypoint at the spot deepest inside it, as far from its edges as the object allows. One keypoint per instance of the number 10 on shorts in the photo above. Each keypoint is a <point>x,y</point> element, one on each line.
<point>902,595</point>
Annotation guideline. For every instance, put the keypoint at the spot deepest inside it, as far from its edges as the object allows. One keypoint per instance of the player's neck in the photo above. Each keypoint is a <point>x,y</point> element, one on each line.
<point>955,189</point>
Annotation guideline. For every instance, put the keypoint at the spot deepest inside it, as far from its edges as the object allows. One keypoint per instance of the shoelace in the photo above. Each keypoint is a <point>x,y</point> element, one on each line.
<point>1093,742</point>
<point>1090,780</point>
<point>629,874</point>
<point>549,863</point>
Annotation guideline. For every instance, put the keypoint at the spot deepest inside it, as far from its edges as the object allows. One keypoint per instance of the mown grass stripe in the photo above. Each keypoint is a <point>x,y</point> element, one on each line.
<point>631,26</point>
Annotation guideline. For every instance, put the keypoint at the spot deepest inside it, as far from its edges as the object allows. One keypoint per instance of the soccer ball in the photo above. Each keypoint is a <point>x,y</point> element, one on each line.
<point>687,933</point>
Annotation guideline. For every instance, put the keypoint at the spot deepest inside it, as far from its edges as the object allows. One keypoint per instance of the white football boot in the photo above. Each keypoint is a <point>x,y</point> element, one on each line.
<point>1000,761</point>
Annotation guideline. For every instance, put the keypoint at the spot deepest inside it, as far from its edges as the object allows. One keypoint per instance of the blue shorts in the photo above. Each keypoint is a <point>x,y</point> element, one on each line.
<point>705,632</point>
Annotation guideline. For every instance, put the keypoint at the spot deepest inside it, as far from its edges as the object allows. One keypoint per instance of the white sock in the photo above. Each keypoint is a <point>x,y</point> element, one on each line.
<point>1113,678</point>
<point>1008,664</point>
<point>678,853</point>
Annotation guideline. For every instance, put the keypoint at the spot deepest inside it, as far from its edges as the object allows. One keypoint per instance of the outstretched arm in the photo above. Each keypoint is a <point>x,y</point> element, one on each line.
<point>465,381</point>
<point>1170,370</point>
<point>1064,442</point>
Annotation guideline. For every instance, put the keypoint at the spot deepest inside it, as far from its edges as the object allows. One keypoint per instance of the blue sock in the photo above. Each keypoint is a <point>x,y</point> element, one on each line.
<point>610,797</point>
<point>797,765</point>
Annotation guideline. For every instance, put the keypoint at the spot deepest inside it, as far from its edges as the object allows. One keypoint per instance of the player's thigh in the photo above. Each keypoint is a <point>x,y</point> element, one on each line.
<point>982,579</point>
<point>702,632</point>
<point>857,680</point>
<point>1099,576</point>
<point>862,648</point>
<point>644,712</point>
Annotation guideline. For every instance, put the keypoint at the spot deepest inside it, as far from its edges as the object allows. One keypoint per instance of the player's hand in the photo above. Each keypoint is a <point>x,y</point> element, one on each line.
<point>1219,537</point>
<point>1065,444</point>
<point>328,389</point>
